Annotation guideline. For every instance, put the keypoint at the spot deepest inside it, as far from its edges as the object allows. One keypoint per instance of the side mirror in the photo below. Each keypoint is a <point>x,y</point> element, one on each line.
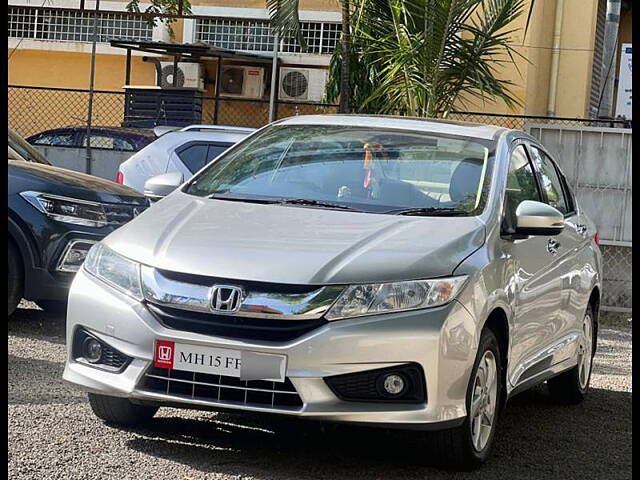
<point>162,185</point>
<point>537,218</point>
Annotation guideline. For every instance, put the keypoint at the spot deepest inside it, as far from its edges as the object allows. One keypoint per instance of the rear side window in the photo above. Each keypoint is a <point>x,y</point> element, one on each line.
<point>56,140</point>
<point>550,178</point>
<point>521,185</point>
<point>197,156</point>
<point>108,142</point>
<point>194,156</point>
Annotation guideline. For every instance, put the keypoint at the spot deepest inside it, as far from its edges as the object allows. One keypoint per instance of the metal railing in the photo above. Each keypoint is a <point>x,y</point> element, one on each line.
<point>72,25</point>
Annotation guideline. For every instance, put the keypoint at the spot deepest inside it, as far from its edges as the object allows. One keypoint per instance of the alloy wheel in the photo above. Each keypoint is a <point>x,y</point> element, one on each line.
<point>484,401</point>
<point>584,352</point>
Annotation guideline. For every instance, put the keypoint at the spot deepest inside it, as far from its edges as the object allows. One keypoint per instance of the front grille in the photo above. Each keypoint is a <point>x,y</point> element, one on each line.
<point>119,214</point>
<point>222,389</point>
<point>229,326</point>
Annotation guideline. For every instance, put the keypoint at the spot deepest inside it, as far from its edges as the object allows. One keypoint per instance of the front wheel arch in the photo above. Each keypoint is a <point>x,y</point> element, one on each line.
<point>594,302</point>
<point>498,323</point>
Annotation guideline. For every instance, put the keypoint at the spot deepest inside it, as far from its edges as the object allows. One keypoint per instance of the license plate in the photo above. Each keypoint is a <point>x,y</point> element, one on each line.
<point>241,364</point>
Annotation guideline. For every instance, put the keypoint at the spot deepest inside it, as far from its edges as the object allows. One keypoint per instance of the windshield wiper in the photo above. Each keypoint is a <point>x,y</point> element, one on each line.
<point>428,211</point>
<point>315,203</point>
<point>281,201</point>
<point>241,198</point>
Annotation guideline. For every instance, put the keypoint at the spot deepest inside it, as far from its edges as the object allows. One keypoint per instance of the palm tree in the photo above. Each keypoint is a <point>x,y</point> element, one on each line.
<point>420,57</point>
<point>286,21</point>
<point>161,7</point>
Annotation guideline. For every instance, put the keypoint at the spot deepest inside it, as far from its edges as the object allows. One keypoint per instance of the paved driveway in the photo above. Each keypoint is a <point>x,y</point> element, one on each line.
<point>52,433</point>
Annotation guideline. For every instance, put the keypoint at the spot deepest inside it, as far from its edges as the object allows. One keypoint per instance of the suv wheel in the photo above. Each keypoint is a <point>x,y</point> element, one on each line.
<point>120,411</point>
<point>466,447</point>
<point>571,386</point>
<point>15,281</point>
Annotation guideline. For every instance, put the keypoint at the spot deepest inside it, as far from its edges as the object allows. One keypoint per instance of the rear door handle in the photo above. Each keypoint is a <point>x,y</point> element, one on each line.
<point>553,246</point>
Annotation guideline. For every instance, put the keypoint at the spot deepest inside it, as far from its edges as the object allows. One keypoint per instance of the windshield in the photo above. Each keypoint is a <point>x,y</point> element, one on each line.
<point>26,151</point>
<point>370,170</point>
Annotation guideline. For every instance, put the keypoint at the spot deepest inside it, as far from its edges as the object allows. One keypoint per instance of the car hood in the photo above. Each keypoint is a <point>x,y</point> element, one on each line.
<point>67,183</point>
<point>295,245</point>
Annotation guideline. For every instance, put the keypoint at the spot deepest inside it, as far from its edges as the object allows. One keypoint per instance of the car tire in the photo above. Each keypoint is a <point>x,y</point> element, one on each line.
<point>120,411</point>
<point>571,386</point>
<point>53,306</point>
<point>467,446</point>
<point>15,281</point>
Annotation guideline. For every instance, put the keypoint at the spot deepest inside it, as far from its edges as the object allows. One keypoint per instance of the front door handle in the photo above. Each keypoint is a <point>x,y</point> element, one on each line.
<point>553,246</point>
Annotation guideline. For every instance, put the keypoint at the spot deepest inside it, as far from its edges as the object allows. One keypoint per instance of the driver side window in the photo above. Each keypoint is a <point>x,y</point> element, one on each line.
<point>521,185</point>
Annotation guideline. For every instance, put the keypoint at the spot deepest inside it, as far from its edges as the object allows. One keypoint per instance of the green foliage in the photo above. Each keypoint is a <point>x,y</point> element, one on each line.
<point>161,7</point>
<point>419,57</point>
<point>285,19</point>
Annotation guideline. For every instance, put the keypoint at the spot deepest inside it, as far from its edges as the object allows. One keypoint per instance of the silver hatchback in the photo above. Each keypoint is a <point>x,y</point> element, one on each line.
<point>389,271</point>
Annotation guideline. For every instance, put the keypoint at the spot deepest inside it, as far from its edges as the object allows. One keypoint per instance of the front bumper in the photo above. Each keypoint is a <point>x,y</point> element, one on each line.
<point>442,341</point>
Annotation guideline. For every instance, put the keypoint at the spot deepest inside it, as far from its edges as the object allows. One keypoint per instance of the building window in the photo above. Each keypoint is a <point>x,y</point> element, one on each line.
<point>75,25</point>
<point>256,35</point>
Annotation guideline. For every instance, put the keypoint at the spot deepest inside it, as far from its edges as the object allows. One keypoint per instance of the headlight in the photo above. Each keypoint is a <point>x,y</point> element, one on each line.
<point>81,212</point>
<point>371,299</point>
<point>116,270</point>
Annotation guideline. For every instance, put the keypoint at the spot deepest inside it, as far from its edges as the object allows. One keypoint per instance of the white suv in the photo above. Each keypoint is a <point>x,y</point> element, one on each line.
<point>184,150</point>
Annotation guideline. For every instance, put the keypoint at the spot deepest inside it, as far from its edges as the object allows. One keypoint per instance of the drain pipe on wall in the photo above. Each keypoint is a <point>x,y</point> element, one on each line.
<point>555,59</point>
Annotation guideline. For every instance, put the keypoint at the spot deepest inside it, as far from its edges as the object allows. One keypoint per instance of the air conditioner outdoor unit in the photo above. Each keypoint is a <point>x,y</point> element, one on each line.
<point>242,81</point>
<point>188,75</point>
<point>305,84</point>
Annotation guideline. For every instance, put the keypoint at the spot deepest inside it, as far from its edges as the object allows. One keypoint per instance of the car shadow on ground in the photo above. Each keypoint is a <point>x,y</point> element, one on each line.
<point>37,324</point>
<point>536,438</point>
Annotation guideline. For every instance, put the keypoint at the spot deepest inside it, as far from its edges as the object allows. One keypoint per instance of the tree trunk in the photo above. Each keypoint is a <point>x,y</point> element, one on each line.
<point>345,89</point>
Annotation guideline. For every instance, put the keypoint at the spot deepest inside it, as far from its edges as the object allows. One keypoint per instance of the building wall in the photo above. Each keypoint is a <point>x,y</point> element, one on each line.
<point>35,64</point>
<point>72,70</point>
<point>531,72</point>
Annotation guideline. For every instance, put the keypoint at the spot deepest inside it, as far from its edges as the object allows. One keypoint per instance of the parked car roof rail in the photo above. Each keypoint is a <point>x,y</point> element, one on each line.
<point>162,129</point>
<point>220,128</point>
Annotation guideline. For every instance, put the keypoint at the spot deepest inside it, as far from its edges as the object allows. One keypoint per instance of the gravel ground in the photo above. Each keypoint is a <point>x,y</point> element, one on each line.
<point>53,434</point>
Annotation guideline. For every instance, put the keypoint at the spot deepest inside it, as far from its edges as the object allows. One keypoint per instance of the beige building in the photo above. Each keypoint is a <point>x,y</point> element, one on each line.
<point>50,47</point>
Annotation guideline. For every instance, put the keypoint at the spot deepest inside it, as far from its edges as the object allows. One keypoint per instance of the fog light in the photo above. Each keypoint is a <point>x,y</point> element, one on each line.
<point>92,350</point>
<point>74,255</point>
<point>393,384</point>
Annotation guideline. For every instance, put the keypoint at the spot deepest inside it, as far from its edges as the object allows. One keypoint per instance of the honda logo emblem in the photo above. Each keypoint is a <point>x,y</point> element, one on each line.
<point>226,298</point>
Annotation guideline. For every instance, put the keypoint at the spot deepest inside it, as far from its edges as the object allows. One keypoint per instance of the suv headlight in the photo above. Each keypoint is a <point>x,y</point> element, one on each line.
<point>114,269</point>
<point>371,299</point>
<point>81,212</point>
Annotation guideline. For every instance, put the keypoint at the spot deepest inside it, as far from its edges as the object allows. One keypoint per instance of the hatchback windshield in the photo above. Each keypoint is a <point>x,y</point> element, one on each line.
<point>364,169</point>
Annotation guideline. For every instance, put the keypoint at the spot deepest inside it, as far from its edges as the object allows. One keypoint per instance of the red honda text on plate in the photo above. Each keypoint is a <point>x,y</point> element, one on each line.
<point>164,353</point>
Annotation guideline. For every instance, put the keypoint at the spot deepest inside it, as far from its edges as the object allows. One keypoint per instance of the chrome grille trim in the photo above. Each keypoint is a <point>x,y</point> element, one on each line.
<point>196,297</point>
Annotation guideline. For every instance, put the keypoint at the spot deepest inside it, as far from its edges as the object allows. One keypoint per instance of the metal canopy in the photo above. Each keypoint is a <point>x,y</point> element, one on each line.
<point>190,51</point>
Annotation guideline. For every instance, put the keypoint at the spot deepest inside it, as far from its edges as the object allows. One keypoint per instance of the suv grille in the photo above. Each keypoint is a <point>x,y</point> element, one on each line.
<point>229,326</point>
<point>222,389</point>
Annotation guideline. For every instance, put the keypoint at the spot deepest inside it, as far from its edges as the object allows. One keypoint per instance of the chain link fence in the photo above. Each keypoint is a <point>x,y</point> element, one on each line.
<point>602,185</point>
<point>35,109</point>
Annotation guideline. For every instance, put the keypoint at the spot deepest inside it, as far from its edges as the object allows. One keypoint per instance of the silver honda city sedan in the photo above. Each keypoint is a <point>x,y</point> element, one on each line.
<point>388,271</point>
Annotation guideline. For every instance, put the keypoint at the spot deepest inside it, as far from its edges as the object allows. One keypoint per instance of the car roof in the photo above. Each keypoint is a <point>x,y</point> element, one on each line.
<point>450,127</point>
<point>179,137</point>
<point>123,131</point>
